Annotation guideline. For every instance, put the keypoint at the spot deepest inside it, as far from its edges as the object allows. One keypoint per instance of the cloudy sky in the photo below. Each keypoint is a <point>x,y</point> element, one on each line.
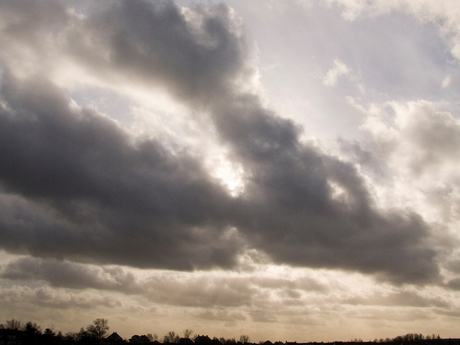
<point>278,168</point>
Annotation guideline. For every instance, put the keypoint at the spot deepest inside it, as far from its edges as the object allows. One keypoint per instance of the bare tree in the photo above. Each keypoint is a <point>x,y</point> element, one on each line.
<point>13,324</point>
<point>188,333</point>
<point>98,329</point>
<point>152,337</point>
<point>229,341</point>
<point>244,338</point>
<point>171,337</point>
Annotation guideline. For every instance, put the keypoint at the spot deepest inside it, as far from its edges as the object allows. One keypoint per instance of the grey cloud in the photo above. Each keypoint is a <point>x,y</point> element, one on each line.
<point>403,314</point>
<point>414,299</point>
<point>452,313</point>
<point>50,299</point>
<point>291,204</point>
<point>300,283</point>
<point>200,291</point>
<point>152,42</point>
<point>27,20</point>
<point>454,284</point>
<point>436,134</point>
<point>56,299</point>
<point>207,290</point>
<point>112,201</point>
<point>264,316</point>
<point>71,275</point>
<point>453,265</point>
<point>292,296</point>
<point>419,127</point>
<point>222,315</point>
<point>402,298</point>
<point>300,222</point>
<point>366,158</point>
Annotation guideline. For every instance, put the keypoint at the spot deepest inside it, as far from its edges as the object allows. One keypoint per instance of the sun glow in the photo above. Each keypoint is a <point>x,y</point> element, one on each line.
<point>230,174</point>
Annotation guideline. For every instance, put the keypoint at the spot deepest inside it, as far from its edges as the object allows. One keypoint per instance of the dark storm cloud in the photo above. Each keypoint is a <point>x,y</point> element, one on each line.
<point>112,201</point>
<point>153,43</point>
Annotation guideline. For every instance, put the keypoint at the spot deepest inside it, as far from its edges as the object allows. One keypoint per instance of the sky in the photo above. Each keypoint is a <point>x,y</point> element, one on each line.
<point>285,169</point>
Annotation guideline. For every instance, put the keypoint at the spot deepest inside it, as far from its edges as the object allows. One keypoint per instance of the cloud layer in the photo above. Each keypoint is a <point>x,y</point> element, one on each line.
<point>84,190</point>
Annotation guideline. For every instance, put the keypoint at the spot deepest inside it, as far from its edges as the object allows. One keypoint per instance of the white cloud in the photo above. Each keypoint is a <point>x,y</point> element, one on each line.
<point>446,82</point>
<point>420,145</point>
<point>339,69</point>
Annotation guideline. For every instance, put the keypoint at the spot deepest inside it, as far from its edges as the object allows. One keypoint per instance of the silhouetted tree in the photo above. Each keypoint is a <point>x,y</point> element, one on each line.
<point>49,337</point>
<point>398,339</point>
<point>153,337</point>
<point>188,333</point>
<point>244,338</point>
<point>98,329</point>
<point>32,328</point>
<point>71,336</point>
<point>171,337</point>
<point>136,339</point>
<point>215,341</point>
<point>83,336</point>
<point>13,324</point>
<point>49,332</point>
<point>228,341</point>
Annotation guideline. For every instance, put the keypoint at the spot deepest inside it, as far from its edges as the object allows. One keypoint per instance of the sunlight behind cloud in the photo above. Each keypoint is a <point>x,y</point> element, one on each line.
<point>231,175</point>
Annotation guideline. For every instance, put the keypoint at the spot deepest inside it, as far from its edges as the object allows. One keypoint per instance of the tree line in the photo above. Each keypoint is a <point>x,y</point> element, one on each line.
<point>98,332</point>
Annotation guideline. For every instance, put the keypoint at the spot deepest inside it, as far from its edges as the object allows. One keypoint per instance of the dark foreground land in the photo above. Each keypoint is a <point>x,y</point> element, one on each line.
<point>18,337</point>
